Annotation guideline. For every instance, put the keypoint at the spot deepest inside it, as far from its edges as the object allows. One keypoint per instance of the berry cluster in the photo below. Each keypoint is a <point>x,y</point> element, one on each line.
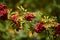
<point>57,29</point>
<point>29,17</point>
<point>3,11</point>
<point>13,19</point>
<point>39,27</point>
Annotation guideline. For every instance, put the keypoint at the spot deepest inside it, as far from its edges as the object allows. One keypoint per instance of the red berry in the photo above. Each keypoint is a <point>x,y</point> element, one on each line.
<point>57,29</point>
<point>29,17</point>
<point>16,22</point>
<point>3,11</point>
<point>39,24</point>
<point>13,19</point>
<point>39,27</point>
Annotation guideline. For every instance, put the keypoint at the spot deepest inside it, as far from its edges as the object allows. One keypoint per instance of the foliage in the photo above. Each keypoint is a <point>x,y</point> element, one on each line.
<point>30,20</point>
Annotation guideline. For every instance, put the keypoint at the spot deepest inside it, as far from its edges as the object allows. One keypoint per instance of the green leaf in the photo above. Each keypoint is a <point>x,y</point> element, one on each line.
<point>8,23</point>
<point>2,22</point>
<point>2,28</point>
<point>26,26</point>
<point>6,35</point>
